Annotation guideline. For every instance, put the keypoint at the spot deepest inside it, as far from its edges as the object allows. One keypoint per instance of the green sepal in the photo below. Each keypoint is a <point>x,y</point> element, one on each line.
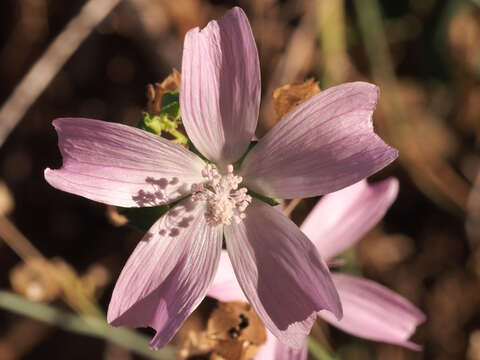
<point>269,201</point>
<point>162,122</point>
<point>250,147</point>
<point>171,104</point>
<point>152,123</point>
<point>143,218</point>
<point>167,120</point>
<point>193,149</point>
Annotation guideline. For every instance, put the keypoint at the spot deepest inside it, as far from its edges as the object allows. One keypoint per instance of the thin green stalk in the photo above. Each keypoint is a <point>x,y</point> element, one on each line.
<point>84,325</point>
<point>332,33</point>
<point>433,175</point>
<point>179,137</point>
<point>371,25</point>
<point>318,351</point>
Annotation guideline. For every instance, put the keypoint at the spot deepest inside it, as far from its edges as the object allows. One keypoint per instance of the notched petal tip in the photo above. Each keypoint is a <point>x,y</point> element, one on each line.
<point>392,186</point>
<point>376,92</point>
<point>46,172</point>
<point>159,273</point>
<point>369,90</point>
<point>121,165</point>
<point>58,121</point>
<point>336,309</point>
<point>49,175</point>
<point>411,346</point>
<point>236,13</point>
<point>333,303</point>
<point>323,145</point>
<point>190,33</point>
<point>393,153</point>
<point>154,344</point>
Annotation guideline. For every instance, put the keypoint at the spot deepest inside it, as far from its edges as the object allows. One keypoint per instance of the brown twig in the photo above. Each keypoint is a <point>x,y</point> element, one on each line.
<point>74,293</point>
<point>49,64</point>
<point>291,206</point>
<point>16,241</point>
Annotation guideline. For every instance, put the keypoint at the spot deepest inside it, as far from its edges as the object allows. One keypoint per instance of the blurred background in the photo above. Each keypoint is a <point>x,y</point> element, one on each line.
<point>94,59</point>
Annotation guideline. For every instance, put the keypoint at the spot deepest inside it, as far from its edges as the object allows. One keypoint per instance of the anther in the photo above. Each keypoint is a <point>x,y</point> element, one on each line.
<point>225,201</point>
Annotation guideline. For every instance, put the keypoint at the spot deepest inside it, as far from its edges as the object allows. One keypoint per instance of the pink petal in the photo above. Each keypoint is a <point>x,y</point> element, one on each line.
<point>373,312</point>
<point>121,165</point>
<point>225,285</point>
<point>321,146</point>
<point>168,274</point>
<point>341,218</point>
<point>280,272</point>
<point>220,90</point>
<point>275,350</point>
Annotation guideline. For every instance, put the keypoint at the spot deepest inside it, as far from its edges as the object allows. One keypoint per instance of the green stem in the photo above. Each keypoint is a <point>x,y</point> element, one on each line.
<point>332,33</point>
<point>269,201</point>
<point>179,137</point>
<point>84,325</point>
<point>318,351</point>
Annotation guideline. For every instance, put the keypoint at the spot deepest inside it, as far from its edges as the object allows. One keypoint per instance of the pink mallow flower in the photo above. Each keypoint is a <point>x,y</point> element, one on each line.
<point>321,146</point>
<point>370,310</point>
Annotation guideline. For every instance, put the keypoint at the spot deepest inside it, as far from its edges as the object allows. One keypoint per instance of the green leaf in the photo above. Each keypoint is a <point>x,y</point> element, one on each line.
<point>143,218</point>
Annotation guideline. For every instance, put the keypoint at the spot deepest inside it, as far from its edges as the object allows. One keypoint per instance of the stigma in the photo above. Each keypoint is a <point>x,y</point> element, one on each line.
<point>225,201</point>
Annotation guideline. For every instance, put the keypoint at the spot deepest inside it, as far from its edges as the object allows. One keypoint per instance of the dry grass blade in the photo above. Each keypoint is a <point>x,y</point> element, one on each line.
<point>292,67</point>
<point>84,325</point>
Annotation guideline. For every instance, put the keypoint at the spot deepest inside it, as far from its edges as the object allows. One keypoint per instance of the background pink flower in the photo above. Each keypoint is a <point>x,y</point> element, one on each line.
<point>370,310</point>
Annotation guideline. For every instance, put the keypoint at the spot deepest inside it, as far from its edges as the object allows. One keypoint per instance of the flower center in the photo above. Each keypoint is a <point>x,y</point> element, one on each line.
<point>225,201</point>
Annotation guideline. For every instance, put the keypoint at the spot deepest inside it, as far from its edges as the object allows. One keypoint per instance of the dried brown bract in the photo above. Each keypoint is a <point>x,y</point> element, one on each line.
<point>286,97</point>
<point>154,93</point>
<point>115,217</point>
<point>230,331</point>
<point>33,280</point>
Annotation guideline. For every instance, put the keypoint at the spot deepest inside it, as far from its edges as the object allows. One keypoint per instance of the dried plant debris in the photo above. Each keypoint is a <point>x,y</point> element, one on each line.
<point>33,280</point>
<point>229,331</point>
<point>464,38</point>
<point>6,200</point>
<point>154,93</point>
<point>115,217</point>
<point>286,97</point>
